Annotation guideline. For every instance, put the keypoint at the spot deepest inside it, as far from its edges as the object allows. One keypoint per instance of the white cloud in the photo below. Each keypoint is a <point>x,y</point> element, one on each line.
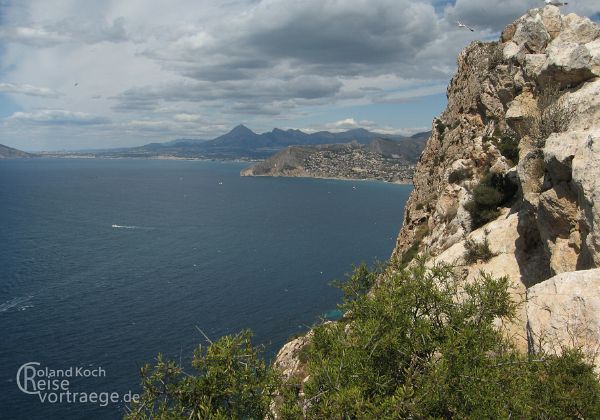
<point>351,124</point>
<point>496,14</point>
<point>57,117</point>
<point>25,89</point>
<point>409,94</point>
<point>186,118</point>
<point>198,67</point>
<point>32,36</point>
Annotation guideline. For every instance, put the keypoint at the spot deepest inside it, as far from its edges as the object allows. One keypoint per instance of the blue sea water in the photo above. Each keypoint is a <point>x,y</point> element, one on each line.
<point>106,263</point>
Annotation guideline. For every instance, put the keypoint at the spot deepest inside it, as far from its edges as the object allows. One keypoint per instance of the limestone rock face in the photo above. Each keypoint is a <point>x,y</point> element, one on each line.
<point>564,311</point>
<point>521,110</point>
<point>501,87</point>
<point>540,84</point>
<point>502,235</point>
<point>535,93</point>
<point>288,358</point>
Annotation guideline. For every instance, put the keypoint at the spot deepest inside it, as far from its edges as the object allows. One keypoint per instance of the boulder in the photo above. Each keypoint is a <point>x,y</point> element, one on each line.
<point>532,34</point>
<point>568,63</point>
<point>522,111</point>
<point>578,29</point>
<point>288,358</point>
<point>564,312</point>
<point>511,50</point>
<point>559,152</point>
<point>586,178</point>
<point>552,20</point>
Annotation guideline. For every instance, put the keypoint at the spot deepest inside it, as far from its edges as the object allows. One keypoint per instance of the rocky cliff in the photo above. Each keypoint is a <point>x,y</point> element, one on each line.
<point>513,165</point>
<point>509,181</point>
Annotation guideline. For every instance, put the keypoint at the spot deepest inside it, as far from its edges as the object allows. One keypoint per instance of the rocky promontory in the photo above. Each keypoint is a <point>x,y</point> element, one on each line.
<point>10,153</point>
<point>381,159</point>
<point>509,181</point>
<point>513,163</point>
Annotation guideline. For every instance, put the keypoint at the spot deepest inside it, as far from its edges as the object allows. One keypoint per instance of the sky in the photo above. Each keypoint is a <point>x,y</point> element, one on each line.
<point>81,74</point>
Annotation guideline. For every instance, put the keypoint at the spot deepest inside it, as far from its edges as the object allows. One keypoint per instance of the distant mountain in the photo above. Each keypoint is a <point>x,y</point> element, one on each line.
<point>184,142</point>
<point>408,149</point>
<point>10,153</point>
<point>243,143</point>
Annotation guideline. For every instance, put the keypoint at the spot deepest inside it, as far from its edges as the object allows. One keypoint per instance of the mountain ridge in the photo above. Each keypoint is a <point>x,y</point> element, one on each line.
<point>243,143</point>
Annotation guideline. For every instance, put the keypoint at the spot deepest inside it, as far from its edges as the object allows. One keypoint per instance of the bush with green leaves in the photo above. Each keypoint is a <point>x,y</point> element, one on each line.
<point>412,252</point>
<point>508,145</point>
<point>491,192</point>
<point>478,251</point>
<point>423,344</point>
<point>415,342</point>
<point>230,380</point>
<point>459,175</point>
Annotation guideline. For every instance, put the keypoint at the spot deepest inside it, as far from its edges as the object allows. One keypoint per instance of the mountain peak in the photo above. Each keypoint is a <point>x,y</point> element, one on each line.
<point>241,129</point>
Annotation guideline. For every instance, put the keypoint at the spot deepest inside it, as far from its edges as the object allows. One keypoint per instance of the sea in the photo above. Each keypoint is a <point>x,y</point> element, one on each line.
<point>104,264</point>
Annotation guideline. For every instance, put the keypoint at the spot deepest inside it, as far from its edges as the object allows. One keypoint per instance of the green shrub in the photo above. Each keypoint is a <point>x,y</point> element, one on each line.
<point>439,125</point>
<point>420,343</point>
<point>441,128</point>
<point>411,349</point>
<point>509,147</point>
<point>230,380</point>
<point>492,191</point>
<point>411,253</point>
<point>479,216</point>
<point>478,251</point>
<point>460,175</point>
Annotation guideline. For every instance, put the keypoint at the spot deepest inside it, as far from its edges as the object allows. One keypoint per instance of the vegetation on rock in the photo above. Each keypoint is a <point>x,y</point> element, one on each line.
<point>230,380</point>
<point>420,344</point>
<point>478,251</point>
<point>491,192</point>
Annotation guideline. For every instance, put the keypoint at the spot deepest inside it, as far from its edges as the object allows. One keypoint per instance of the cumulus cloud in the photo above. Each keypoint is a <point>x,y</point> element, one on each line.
<point>327,37</point>
<point>25,89</point>
<point>409,94</point>
<point>71,30</point>
<point>352,123</point>
<point>198,66</point>
<point>57,117</point>
<point>32,36</point>
<point>239,92</point>
<point>496,14</point>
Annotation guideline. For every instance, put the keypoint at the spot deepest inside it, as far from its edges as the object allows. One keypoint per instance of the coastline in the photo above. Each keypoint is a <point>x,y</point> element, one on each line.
<point>399,182</point>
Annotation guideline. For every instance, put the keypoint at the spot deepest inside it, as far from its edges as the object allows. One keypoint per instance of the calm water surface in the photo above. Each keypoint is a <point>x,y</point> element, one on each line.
<point>105,263</point>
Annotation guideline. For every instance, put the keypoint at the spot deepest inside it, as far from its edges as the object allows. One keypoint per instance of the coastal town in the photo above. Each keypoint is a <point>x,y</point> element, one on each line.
<point>353,162</point>
<point>341,161</point>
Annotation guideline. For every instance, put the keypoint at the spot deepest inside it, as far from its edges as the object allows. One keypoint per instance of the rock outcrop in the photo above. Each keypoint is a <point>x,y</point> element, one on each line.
<point>514,163</point>
<point>563,312</point>
<point>524,113</point>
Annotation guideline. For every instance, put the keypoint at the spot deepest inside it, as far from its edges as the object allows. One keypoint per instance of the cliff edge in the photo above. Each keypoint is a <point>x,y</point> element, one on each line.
<point>509,181</point>
<point>512,165</point>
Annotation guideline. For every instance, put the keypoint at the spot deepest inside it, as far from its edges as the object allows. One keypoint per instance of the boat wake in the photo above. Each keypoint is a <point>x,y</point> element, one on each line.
<point>131,227</point>
<point>18,303</point>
